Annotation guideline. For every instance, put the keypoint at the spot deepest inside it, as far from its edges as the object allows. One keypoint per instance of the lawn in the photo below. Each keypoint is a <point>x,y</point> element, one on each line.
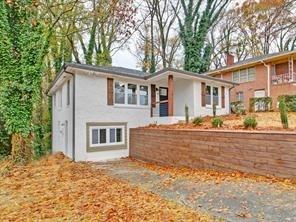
<point>56,189</point>
<point>266,121</point>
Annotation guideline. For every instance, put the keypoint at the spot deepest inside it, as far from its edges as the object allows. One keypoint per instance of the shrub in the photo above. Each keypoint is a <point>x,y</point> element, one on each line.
<point>217,122</point>
<point>186,114</point>
<point>290,101</point>
<point>197,121</point>
<point>238,108</point>
<point>263,103</point>
<point>283,112</point>
<point>250,122</point>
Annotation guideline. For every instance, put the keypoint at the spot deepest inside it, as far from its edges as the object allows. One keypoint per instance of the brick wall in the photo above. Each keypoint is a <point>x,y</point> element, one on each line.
<point>252,152</point>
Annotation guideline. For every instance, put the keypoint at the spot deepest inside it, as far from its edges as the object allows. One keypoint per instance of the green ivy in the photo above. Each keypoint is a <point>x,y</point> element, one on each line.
<point>22,49</point>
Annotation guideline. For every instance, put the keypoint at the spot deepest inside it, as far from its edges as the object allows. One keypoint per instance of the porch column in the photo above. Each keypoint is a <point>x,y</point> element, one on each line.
<point>170,95</point>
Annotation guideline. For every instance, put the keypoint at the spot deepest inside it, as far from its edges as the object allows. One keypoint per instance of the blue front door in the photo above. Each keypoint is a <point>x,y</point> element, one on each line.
<point>163,96</point>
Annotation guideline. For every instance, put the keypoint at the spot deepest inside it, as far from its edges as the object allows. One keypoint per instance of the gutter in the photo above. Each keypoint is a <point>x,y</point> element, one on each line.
<point>268,77</point>
<point>73,114</point>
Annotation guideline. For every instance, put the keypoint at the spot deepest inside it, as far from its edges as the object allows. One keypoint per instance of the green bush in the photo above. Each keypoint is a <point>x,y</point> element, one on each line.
<point>265,104</point>
<point>250,122</point>
<point>283,113</point>
<point>197,121</point>
<point>186,114</point>
<point>217,122</point>
<point>290,101</point>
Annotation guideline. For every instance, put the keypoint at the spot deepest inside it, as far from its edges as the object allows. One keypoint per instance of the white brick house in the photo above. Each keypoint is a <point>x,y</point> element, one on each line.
<point>94,107</point>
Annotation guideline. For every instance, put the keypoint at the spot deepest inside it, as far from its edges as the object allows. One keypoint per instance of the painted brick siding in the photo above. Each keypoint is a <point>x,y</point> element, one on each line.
<point>252,152</point>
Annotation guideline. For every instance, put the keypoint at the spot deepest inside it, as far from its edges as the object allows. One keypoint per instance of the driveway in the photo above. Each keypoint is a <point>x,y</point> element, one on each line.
<point>244,199</point>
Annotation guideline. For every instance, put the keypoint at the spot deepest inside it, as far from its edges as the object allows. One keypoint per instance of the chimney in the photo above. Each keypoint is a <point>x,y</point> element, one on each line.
<point>229,59</point>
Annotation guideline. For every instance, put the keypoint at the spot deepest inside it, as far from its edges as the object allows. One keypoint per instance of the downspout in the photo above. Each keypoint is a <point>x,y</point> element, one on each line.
<point>268,77</point>
<point>230,98</point>
<point>73,114</point>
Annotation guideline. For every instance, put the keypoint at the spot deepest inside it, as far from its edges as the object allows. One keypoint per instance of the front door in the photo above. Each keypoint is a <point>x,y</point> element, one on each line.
<point>163,96</point>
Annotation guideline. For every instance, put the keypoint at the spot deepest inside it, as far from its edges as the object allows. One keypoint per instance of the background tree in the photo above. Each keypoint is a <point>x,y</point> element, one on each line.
<point>194,26</point>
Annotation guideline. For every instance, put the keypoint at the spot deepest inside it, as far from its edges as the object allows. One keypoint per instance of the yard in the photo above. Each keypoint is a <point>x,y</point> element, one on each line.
<point>56,189</point>
<point>265,120</point>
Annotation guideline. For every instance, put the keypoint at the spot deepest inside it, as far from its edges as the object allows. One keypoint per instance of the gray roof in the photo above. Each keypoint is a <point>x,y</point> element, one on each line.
<point>250,61</point>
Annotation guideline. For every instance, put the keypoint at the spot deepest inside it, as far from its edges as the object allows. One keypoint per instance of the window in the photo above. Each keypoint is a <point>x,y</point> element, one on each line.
<point>68,92</point>
<point>216,96</point>
<point>119,93</point>
<point>240,96</point>
<point>208,95</point>
<point>212,96</point>
<point>144,95</point>
<point>132,94</point>
<point>106,135</point>
<point>244,75</point>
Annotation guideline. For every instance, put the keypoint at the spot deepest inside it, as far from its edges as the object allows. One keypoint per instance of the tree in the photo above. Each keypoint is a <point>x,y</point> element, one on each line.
<point>199,16</point>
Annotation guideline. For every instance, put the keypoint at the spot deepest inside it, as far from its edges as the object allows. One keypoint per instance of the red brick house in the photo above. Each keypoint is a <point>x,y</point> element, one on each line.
<point>270,75</point>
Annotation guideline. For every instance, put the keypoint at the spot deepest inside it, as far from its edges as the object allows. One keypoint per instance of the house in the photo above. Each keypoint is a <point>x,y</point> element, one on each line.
<point>93,107</point>
<point>270,75</point>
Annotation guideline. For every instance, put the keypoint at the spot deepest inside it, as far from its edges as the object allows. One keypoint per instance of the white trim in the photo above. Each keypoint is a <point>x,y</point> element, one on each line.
<point>108,143</point>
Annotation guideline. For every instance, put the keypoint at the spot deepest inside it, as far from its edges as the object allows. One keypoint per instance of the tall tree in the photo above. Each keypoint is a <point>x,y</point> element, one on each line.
<point>199,16</point>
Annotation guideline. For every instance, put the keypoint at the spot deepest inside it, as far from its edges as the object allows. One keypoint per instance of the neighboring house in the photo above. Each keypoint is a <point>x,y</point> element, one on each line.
<point>94,107</point>
<point>270,75</point>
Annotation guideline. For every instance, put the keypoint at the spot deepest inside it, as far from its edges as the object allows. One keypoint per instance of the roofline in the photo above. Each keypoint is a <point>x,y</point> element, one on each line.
<point>192,74</point>
<point>235,66</point>
<point>147,77</point>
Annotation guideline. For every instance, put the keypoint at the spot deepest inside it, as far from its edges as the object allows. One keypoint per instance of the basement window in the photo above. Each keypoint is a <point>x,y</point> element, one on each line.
<point>106,135</point>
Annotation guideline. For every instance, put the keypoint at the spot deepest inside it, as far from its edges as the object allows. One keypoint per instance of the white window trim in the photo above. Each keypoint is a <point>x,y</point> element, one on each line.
<point>107,136</point>
<point>248,78</point>
<point>212,97</point>
<point>126,95</point>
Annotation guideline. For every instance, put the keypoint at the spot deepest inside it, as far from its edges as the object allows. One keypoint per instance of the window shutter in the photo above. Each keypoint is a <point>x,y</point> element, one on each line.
<point>223,96</point>
<point>203,94</point>
<point>153,95</point>
<point>110,92</point>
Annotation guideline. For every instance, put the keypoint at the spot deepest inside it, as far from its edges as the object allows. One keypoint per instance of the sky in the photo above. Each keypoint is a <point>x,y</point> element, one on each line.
<point>125,59</point>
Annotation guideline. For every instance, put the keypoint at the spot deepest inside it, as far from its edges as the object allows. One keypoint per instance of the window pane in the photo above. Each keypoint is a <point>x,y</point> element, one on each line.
<point>208,95</point>
<point>215,95</point>
<point>235,76</point>
<point>251,74</point>
<point>94,136</point>
<point>132,94</point>
<point>143,95</point>
<point>112,135</point>
<point>103,136</point>
<point>118,135</point>
<point>243,75</point>
<point>119,93</point>
<point>240,96</point>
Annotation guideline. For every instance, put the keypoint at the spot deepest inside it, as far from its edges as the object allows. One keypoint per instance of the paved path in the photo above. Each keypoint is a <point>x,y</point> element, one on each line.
<point>243,200</point>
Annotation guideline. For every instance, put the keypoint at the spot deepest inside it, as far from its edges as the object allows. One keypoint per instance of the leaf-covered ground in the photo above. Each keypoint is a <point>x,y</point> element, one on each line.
<point>231,196</point>
<point>266,121</point>
<point>56,189</point>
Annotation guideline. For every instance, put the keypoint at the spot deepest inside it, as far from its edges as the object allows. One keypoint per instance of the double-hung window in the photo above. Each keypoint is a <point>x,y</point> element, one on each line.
<point>119,93</point>
<point>208,95</point>
<point>215,96</point>
<point>132,94</point>
<point>106,135</point>
<point>143,95</point>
